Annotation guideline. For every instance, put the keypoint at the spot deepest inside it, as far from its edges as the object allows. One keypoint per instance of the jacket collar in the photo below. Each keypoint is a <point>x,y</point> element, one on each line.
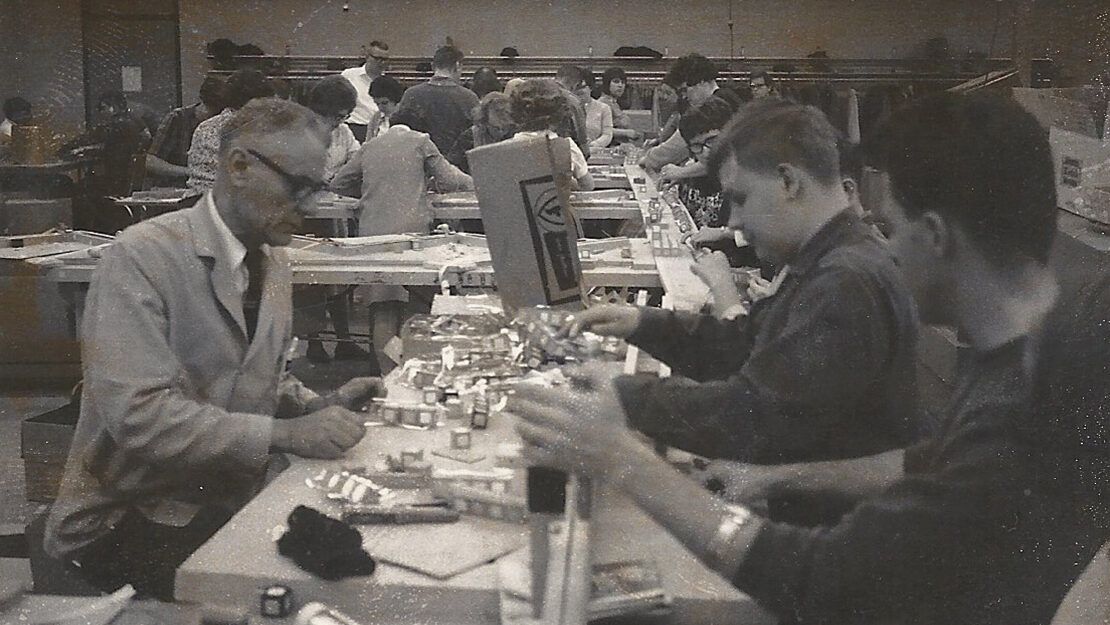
<point>839,230</point>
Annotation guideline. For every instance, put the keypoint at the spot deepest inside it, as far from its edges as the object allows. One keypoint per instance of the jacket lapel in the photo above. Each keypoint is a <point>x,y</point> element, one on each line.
<point>206,239</point>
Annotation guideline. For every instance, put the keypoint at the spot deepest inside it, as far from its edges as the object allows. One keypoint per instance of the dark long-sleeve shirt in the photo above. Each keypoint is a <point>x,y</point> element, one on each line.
<point>824,369</point>
<point>998,512</point>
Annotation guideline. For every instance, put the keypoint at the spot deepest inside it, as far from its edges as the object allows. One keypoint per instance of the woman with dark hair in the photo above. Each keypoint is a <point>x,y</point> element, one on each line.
<point>700,192</point>
<point>241,87</point>
<point>538,107</point>
<point>332,98</point>
<point>614,86</point>
<point>493,122</point>
<point>599,117</point>
<point>485,81</point>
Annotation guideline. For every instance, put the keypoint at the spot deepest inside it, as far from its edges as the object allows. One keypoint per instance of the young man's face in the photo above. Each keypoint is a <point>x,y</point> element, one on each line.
<point>386,106</point>
<point>377,61</point>
<point>760,208</point>
<point>697,94</point>
<point>912,244</point>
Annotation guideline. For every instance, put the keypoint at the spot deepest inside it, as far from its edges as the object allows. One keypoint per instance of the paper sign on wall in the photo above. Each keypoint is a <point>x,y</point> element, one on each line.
<point>132,78</point>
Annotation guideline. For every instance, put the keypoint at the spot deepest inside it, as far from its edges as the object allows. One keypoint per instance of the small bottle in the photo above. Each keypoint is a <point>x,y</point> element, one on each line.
<point>319,614</point>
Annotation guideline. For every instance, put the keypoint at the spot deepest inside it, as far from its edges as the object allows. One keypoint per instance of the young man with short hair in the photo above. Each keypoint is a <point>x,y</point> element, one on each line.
<point>443,101</point>
<point>1002,506</point>
<point>364,121</point>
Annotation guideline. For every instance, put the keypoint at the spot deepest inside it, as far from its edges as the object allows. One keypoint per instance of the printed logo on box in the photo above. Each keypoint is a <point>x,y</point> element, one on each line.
<point>550,239</point>
<point>1071,172</point>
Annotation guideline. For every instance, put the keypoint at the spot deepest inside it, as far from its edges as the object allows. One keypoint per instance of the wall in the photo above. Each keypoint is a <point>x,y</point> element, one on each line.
<point>844,28</point>
<point>40,58</point>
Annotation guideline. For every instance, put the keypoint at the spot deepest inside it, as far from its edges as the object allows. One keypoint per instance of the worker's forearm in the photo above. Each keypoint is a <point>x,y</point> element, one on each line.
<point>160,167</point>
<point>856,478</point>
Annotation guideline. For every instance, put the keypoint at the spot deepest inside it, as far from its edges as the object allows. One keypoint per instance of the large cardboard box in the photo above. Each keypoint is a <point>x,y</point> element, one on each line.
<point>530,231</point>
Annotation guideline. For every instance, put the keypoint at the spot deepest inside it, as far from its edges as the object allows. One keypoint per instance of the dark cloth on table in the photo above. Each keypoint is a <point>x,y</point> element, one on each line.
<point>997,514</point>
<point>143,553</point>
<point>446,105</point>
<point>824,369</point>
<point>172,140</point>
<point>123,137</point>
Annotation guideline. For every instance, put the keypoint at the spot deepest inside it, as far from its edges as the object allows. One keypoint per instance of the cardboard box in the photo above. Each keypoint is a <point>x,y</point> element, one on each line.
<point>1082,167</point>
<point>44,446</point>
<point>531,234</point>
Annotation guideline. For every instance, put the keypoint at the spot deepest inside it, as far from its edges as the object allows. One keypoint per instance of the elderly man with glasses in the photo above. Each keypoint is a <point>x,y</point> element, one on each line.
<point>187,326</point>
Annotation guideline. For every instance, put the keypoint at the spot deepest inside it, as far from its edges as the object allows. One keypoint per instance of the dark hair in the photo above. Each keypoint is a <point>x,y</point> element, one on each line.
<point>15,105</point>
<point>510,52</point>
<point>447,57</point>
<point>768,132</point>
<point>569,75</point>
<point>696,69</point>
<point>412,116</point>
<point>269,115</point>
<point>485,81</point>
<point>377,43</point>
<point>114,99</point>
<point>387,87</point>
<point>673,77</point>
<point>766,76</point>
<point>980,160</point>
<point>611,74</point>
<point>538,104</point>
<point>713,114</point>
<point>590,81</point>
<point>332,95</point>
<point>245,85</point>
<point>212,93</point>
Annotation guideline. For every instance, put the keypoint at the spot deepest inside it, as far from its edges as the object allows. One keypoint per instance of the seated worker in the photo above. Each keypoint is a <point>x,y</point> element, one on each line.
<point>825,368</point>
<point>391,175</point>
<point>186,328</point>
<point>444,102</point>
<point>493,122</point>
<point>699,192</point>
<point>119,138</point>
<point>365,119</point>
<point>387,94</point>
<point>332,98</point>
<point>17,112</point>
<point>699,83</point>
<point>613,86</point>
<point>599,117</point>
<point>241,87</point>
<point>167,159</point>
<point>983,527</point>
<point>538,107</point>
<point>569,79</point>
<point>762,85</point>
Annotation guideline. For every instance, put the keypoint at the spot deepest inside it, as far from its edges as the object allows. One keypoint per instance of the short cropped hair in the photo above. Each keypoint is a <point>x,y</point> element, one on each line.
<point>980,160</point>
<point>268,116</point>
<point>332,95</point>
<point>114,99</point>
<point>379,44</point>
<point>212,93</point>
<point>387,87</point>
<point>538,104</point>
<point>713,114</point>
<point>696,69</point>
<point>447,57</point>
<point>16,105</point>
<point>766,133</point>
<point>570,75</point>
<point>244,85</point>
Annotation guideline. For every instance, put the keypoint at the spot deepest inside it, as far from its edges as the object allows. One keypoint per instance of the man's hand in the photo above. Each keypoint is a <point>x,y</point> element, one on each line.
<point>708,235</point>
<point>616,320</point>
<point>670,172</point>
<point>735,482</point>
<point>579,428</point>
<point>326,433</point>
<point>714,271</point>
<point>353,395</point>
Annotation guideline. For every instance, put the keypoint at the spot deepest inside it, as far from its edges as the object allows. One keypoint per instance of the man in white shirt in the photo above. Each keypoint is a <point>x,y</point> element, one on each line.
<point>364,121</point>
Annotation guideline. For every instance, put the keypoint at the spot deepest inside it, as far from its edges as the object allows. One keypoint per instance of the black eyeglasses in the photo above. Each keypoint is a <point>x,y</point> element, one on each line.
<point>697,148</point>
<point>300,187</point>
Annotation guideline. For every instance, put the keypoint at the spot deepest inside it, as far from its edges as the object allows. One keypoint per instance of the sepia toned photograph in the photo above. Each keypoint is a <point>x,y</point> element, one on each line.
<point>555,312</point>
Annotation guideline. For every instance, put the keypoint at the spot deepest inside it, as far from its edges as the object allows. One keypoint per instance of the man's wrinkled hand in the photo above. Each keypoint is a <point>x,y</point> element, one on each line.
<point>326,433</point>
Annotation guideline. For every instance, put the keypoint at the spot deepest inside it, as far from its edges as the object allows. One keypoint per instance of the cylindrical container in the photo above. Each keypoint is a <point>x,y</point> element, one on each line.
<point>319,614</point>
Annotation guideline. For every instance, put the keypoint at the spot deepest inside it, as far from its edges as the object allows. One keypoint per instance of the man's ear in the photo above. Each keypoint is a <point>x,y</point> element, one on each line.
<point>940,235</point>
<point>238,165</point>
<point>791,179</point>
